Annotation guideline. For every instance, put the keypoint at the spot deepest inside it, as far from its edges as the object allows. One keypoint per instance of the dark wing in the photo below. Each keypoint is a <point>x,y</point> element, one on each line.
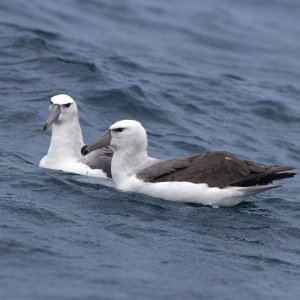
<point>217,169</point>
<point>100,159</point>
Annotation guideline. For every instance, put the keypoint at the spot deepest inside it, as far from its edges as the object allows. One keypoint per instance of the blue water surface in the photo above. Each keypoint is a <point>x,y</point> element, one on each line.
<point>199,75</point>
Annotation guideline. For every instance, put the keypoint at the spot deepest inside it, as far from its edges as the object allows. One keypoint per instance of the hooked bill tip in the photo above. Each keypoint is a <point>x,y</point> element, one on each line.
<point>45,127</point>
<point>84,150</point>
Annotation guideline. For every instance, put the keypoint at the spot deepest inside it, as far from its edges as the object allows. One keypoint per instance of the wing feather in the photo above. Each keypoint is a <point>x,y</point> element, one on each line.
<point>217,169</point>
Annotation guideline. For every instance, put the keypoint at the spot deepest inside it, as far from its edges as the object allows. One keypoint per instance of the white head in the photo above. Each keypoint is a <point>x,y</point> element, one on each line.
<point>63,109</point>
<point>126,136</point>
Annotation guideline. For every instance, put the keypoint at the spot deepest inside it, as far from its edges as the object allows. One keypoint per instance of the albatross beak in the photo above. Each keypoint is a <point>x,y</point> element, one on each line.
<point>54,115</point>
<point>104,141</point>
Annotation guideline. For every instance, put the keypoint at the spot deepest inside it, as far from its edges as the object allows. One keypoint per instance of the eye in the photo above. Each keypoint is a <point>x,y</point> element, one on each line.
<point>67,105</point>
<point>119,129</point>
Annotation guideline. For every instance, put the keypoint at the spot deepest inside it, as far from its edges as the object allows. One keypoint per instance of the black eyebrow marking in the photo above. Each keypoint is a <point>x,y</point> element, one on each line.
<point>120,129</point>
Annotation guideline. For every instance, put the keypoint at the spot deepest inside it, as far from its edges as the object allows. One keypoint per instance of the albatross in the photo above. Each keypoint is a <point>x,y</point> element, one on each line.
<point>66,142</point>
<point>215,178</point>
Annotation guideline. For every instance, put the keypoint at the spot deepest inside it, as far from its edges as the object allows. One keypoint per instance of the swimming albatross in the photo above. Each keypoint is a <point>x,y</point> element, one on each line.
<point>66,142</point>
<point>209,178</point>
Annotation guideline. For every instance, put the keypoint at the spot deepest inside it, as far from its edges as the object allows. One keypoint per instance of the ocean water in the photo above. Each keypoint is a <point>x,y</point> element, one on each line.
<point>199,75</point>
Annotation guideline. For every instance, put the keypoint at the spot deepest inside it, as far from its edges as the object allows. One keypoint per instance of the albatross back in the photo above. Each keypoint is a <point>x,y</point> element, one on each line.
<point>217,169</point>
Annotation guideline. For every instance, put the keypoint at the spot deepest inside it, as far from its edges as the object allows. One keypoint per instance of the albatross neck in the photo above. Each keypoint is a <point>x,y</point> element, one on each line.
<point>126,163</point>
<point>66,139</point>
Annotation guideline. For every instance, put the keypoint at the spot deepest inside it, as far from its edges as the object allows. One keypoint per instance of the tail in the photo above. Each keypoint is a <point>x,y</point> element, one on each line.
<point>253,190</point>
<point>267,177</point>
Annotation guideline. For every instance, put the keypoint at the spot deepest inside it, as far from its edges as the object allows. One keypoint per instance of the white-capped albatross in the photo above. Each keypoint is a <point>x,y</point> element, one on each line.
<point>66,142</point>
<point>209,178</point>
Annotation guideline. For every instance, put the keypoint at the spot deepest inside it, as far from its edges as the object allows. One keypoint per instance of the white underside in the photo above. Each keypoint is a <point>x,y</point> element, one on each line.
<point>72,166</point>
<point>190,192</point>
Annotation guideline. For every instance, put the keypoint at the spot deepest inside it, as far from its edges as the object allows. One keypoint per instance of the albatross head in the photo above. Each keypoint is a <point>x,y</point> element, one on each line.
<point>125,136</point>
<point>128,134</point>
<point>62,109</point>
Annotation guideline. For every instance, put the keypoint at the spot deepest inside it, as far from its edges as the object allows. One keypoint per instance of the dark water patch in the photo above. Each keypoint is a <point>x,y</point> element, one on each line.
<point>30,44</point>
<point>91,183</point>
<point>194,108</point>
<point>268,260</point>
<point>46,34</point>
<point>22,28</point>
<point>61,66</point>
<point>90,66</point>
<point>11,248</point>
<point>26,46</point>
<point>20,117</point>
<point>247,143</point>
<point>117,7</point>
<point>122,230</point>
<point>188,147</point>
<point>131,102</point>
<point>274,111</point>
<point>288,89</point>
<point>234,77</point>
<point>4,156</point>
<point>32,212</point>
<point>125,64</point>
<point>290,148</point>
<point>219,43</point>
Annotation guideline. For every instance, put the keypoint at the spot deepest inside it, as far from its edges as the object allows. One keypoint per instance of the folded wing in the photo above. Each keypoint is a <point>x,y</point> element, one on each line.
<point>217,169</point>
<point>100,159</point>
